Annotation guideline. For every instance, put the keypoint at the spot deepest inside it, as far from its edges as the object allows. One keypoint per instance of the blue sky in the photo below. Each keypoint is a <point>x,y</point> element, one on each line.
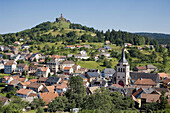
<point>126,15</point>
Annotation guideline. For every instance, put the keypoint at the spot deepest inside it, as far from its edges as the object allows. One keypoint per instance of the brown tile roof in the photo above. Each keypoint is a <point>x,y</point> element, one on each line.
<point>162,75</point>
<point>22,79</point>
<point>24,91</point>
<point>10,62</point>
<point>150,97</point>
<point>61,86</point>
<point>167,81</point>
<point>32,95</point>
<point>68,62</point>
<point>144,82</point>
<point>33,80</point>
<point>42,79</point>
<point>48,97</point>
<point>34,85</point>
<point>117,85</point>
<point>13,82</point>
<point>141,67</point>
<point>21,65</point>
<point>137,92</point>
<point>25,83</point>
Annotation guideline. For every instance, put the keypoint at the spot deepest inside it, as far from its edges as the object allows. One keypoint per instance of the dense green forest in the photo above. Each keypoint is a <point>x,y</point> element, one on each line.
<point>161,38</point>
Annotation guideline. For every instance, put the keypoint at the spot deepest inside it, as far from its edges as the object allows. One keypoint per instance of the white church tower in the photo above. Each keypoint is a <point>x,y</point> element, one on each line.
<point>123,71</point>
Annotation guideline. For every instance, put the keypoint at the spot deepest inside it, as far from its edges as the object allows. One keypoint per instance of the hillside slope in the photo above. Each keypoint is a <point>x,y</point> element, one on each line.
<point>161,38</point>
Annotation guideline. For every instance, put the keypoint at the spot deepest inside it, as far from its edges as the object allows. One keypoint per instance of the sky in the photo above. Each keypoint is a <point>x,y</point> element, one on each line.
<point>126,15</point>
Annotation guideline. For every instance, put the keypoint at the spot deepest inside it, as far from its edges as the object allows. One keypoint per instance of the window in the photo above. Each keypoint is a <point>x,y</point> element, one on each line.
<point>118,69</point>
<point>123,69</point>
<point>118,76</point>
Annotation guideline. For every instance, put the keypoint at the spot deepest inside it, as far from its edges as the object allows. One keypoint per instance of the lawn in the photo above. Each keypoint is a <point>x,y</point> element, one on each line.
<point>2,75</point>
<point>95,65</point>
<point>90,65</point>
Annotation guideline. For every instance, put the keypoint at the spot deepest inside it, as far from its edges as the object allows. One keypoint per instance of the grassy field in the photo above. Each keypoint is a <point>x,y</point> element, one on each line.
<point>95,65</point>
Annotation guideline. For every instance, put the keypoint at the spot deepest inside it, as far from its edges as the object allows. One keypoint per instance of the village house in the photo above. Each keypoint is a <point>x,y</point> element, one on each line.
<point>91,90</point>
<point>24,93</point>
<point>67,64</point>
<point>37,87</point>
<point>127,44</point>
<point>53,65</point>
<point>42,80</point>
<point>6,79</point>
<point>25,46</point>
<point>163,76</point>
<point>42,71</point>
<point>79,46</point>
<point>34,56</point>
<point>87,46</point>
<point>107,47</point>
<point>9,55</point>
<point>22,67</point>
<point>17,43</point>
<point>23,85</point>
<point>92,75</point>
<point>99,81</point>
<point>47,97</point>
<point>105,54</point>
<point>52,80</point>
<point>107,42</point>
<point>68,70</point>
<point>101,50</point>
<point>108,72</point>
<point>4,100</point>
<point>144,83</point>
<point>70,47</point>
<point>10,66</point>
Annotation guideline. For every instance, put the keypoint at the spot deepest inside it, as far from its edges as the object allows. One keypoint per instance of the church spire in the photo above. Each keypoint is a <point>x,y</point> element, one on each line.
<point>123,59</point>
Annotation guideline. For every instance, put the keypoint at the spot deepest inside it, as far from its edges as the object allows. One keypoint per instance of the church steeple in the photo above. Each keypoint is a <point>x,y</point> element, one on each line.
<point>123,59</point>
<point>61,15</point>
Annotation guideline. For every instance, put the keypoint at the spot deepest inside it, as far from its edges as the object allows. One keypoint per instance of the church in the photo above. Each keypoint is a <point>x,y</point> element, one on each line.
<point>125,77</point>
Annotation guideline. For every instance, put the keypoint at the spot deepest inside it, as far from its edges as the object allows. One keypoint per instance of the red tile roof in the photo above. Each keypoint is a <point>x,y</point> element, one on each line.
<point>150,97</point>
<point>23,91</point>
<point>48,97</point>
<point>144,82</point>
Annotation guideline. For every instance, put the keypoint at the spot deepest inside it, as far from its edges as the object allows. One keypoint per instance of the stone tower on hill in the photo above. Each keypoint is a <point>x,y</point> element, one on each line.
<point>62,19</point>
<point>123,71</point>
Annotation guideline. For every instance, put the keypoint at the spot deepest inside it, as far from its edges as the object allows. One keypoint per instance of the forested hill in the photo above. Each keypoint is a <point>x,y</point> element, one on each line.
<point>70,33</point>
<point>161,38</point>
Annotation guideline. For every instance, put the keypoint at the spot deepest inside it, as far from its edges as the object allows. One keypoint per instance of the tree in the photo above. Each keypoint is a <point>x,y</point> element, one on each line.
<point>35,60</point>
<point>37,102</point>
<point>11,93</point>
<point>15,106</point>
<point>76,91</point>
<point>58,104</point>
<point>40,110</point>
<point>163,100</point>
<point>24,73</point>
<point>107,64</point>
<point>100,101</point>
<point>4,56</point>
